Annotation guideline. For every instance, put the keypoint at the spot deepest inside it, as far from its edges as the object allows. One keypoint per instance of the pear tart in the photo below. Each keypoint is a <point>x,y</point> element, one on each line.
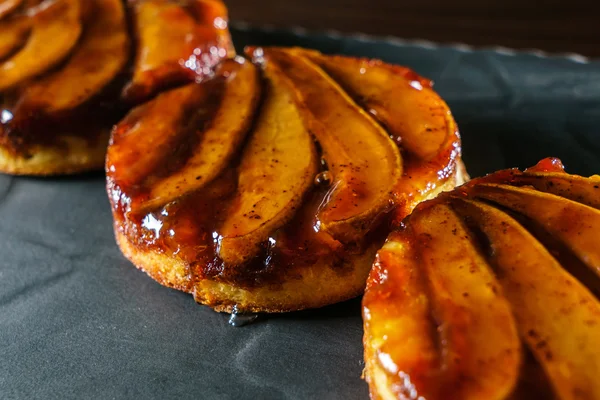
<point>64,64</point>
<point>270,186</point>
<point>490,291</point>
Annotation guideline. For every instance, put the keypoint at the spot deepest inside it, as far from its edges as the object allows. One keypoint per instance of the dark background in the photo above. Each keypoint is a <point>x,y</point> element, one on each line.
<point>550,25</point>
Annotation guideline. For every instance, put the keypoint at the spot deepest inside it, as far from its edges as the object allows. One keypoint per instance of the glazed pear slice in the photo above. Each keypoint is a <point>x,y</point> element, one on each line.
<point>577,188</point>
<point>398,98</point>
<point>8,6</point>
<point>13,33</point>
<point>557,316</point>
<point>413,114</point>
<point>573,223</point>
<point>101,54</point>
<point>364,162</point>
<point>54,32</point>
<point>479,342</point>
<point>277,168</point>
<point>160,50</point>
<point>174,44</point>
<point>141,142</point>
<point>400,334</point>
<point>219,141</point>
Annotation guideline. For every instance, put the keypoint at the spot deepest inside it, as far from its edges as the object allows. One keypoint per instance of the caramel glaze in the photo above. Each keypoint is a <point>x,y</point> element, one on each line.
<point>188,228</point>
<point>385,299</point>
<point>21,128</point>
<point>512,176</point>
<point>384,296</point>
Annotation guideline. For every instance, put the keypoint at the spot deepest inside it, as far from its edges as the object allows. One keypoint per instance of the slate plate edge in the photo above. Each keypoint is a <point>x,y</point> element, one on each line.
<point>422,43</point>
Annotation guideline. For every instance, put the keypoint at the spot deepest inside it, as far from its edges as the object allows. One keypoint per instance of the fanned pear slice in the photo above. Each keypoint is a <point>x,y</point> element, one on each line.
<point>161,29</point>
<point>55,30</point>
<point>585,190</point>
<point>176,43</point>
<point>141,141</point>
<point>99,57</point>
<point>573,223</point>
<point>13,34</point>
<point>8,6</point>
<point>219,141</point>
<point>278,167</point>
<point>398,98</point>
<point>364,162</point>
<point>557,316</point>
<point>480,346</point>
<point>401,347</point>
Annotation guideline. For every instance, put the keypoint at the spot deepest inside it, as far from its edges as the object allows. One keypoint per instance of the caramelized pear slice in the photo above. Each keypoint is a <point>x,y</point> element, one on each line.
<point>177,43</point>
<point>400,335</point>
<point>573,223</point>
<point>278,167</point>
<point>149,134</point>
<point>101,54</point>
<point>55,30</point>
<point>577,188</point>
<point>557,316</point>
<point>13,34</point>
<point>397,97</point>
<point>480,345</point>
<point>219,141</point>
<point>412,113</point>
<point>364,162</point>
<point>8,6</point>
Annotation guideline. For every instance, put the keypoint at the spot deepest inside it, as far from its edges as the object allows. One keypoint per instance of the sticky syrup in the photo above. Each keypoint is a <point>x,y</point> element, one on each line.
<point>237,319</point>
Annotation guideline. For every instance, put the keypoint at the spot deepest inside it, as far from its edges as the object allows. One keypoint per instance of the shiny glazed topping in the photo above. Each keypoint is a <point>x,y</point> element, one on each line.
<point>38,99</point>
<point>70,85</point>
<point>179,41</point>
<point>272,166</point>
<point>491,291</point>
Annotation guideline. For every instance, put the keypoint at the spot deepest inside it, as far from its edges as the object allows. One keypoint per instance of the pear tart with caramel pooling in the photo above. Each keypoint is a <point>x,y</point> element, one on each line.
<point>271,186</point>
<point>64,63</point>
<point>490,291</point>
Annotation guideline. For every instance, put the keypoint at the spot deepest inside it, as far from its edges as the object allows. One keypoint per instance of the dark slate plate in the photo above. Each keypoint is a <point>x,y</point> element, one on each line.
<point>78,321</point>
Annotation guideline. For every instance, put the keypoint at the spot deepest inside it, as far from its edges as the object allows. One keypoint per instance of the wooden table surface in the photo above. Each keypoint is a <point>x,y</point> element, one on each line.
<point>550,25</point>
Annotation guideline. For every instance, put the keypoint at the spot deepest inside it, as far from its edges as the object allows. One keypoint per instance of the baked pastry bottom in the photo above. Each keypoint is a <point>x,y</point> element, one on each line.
<point>73,155</point>
<point>316,286</point>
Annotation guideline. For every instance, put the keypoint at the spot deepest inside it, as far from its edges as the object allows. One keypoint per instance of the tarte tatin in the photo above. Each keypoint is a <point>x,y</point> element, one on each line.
<point>271,186</point>
<point>64,64</point>
<point>490,291</point>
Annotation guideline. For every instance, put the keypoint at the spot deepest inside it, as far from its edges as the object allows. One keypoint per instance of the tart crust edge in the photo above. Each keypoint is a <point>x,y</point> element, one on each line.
<point>73,155</point>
